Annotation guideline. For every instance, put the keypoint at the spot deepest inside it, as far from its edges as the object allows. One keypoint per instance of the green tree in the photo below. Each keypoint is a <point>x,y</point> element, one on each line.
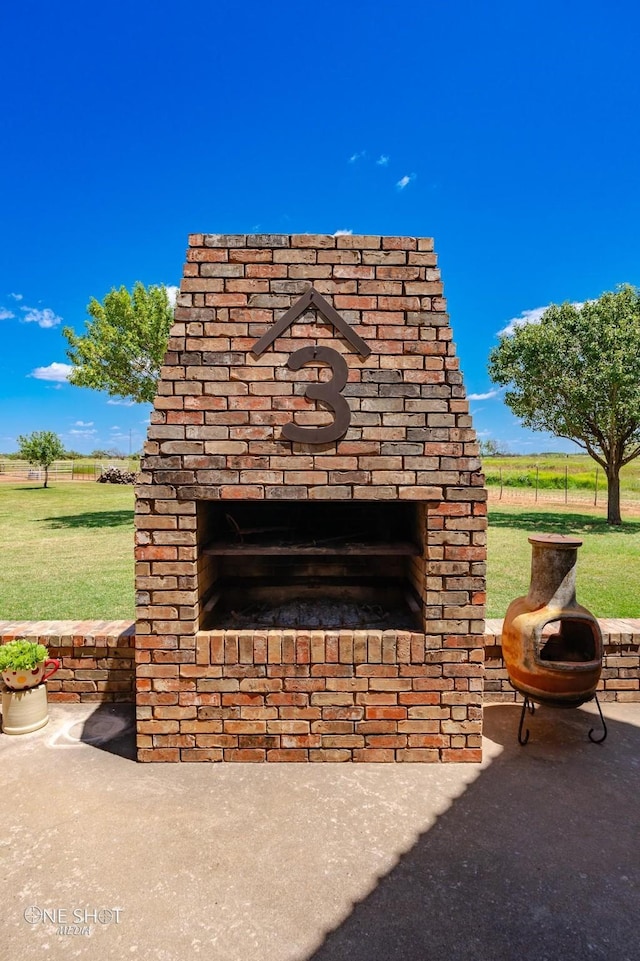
<point>41,448</point>
<point>489,448</point>
<point>576,374</point>
<point>125,342</point>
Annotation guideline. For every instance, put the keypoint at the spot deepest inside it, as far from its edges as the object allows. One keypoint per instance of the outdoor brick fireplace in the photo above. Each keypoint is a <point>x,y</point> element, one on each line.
<point>310,547</point>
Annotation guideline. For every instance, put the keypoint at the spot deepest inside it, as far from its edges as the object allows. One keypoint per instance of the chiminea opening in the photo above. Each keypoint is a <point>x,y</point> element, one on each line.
<point>567,641</point>
<point>305,565</point>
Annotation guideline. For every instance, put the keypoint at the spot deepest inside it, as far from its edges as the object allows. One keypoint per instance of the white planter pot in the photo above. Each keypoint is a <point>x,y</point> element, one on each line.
<point>24,711</point>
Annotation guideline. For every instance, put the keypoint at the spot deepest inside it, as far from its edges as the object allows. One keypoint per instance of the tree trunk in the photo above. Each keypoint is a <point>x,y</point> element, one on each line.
<point>613,495</point>
<point>46,476</point>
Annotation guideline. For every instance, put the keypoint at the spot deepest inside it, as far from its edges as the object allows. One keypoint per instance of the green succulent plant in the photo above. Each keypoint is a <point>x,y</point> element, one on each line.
<point>21,655</point>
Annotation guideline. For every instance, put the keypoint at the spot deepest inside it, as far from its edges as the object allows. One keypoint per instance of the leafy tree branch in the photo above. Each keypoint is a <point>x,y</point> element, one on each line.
<point>124,344</point>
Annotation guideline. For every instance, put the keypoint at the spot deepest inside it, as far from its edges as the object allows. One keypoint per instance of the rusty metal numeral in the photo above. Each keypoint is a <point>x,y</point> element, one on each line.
<point>328,392</point>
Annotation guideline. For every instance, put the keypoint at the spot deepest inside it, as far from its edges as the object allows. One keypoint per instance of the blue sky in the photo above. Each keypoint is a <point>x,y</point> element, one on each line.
<point>506,130</point>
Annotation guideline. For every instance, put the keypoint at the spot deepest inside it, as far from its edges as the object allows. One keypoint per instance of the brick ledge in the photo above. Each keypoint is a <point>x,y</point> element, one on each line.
<point>71,633</point>
<point>98,658</point>
<point>108,633</point>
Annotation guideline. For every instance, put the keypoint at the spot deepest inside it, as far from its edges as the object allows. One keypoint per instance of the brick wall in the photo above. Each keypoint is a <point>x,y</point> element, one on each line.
<point>315,696</point>
<point>217,434</point>
<point>97,662</point>
<point>97,657</point>
<point>620,678</point>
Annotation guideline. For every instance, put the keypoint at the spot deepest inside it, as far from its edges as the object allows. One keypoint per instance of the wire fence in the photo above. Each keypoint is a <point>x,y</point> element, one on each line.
<point>578,487</point>
<point>61,470</point>
<point>578,498</point>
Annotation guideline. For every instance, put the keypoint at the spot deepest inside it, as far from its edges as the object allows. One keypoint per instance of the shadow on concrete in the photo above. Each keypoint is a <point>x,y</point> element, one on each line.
<point>538,859</point>
<point>111,728</point>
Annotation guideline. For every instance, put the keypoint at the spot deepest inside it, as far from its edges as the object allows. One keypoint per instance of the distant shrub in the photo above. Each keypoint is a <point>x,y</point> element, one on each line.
<point>546,480</point>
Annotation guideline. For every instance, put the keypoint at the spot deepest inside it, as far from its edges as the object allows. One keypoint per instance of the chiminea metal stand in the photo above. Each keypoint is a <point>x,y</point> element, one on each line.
<point>530,706</point>
<point>552,646</point>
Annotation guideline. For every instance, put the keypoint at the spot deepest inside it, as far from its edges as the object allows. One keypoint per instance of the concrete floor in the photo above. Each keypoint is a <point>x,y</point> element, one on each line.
<point>531,855</point>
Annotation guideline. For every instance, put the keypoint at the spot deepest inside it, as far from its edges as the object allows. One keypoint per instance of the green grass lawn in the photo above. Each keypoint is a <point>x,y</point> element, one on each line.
<point>608,573</point>
<point>67,552</point>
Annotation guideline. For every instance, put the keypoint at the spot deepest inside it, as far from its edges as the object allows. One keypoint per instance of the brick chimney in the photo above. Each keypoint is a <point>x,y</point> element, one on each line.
<point>310,548</point>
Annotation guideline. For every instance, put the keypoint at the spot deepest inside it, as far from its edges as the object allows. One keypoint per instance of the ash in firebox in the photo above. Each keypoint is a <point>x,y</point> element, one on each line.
<point>317,614</point>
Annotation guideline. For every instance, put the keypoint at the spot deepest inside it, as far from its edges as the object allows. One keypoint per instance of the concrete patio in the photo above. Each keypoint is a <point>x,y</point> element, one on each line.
<point>531,855</point>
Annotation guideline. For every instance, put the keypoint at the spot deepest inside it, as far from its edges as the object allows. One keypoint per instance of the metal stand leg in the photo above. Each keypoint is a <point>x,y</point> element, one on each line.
<point>527,704</point>
<point>598,740</point>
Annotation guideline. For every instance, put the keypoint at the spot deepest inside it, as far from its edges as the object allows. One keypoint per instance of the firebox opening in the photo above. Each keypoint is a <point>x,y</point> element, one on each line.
<point>567,640</point>
<point>310,565</point>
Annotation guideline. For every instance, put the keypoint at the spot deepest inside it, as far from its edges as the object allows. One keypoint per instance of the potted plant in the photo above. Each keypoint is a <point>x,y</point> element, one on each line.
<point>25,666</point>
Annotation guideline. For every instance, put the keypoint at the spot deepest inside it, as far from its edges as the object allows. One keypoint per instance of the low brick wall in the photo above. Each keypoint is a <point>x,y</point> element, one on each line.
<point>98,657</point>
<point>620,680</point>
<point>98,665</point>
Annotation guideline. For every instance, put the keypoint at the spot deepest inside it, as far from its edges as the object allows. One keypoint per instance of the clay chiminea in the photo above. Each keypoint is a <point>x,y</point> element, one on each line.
<point>551,645</point>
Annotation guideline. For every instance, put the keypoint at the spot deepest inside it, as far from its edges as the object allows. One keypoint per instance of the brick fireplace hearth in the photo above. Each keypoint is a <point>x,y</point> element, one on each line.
<point>310,545</point>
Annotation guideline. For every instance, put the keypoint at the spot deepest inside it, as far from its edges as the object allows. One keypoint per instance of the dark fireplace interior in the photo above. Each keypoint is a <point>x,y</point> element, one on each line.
<point>295,564</point>
<point>567,640</point>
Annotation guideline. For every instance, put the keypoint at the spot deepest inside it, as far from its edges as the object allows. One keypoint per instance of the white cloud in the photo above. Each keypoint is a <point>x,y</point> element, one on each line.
<point>490,394</point>
<point>16,296</point>
<point>43,318</point>
<point>83,433</point>
<point>6,314</point>
<point>343,233</point>
<point>405,181</point>
<point>120,403</point>
<point>115,427</point>
<point>59,373</point>
<point>172,293</point>
<point>357,156</point>
<point>528,317</point>
<point>382,160</point>
<point>83,423</point>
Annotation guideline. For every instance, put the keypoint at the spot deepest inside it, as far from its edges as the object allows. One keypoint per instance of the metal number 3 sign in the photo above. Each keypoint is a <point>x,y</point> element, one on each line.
<point>328,392</point>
